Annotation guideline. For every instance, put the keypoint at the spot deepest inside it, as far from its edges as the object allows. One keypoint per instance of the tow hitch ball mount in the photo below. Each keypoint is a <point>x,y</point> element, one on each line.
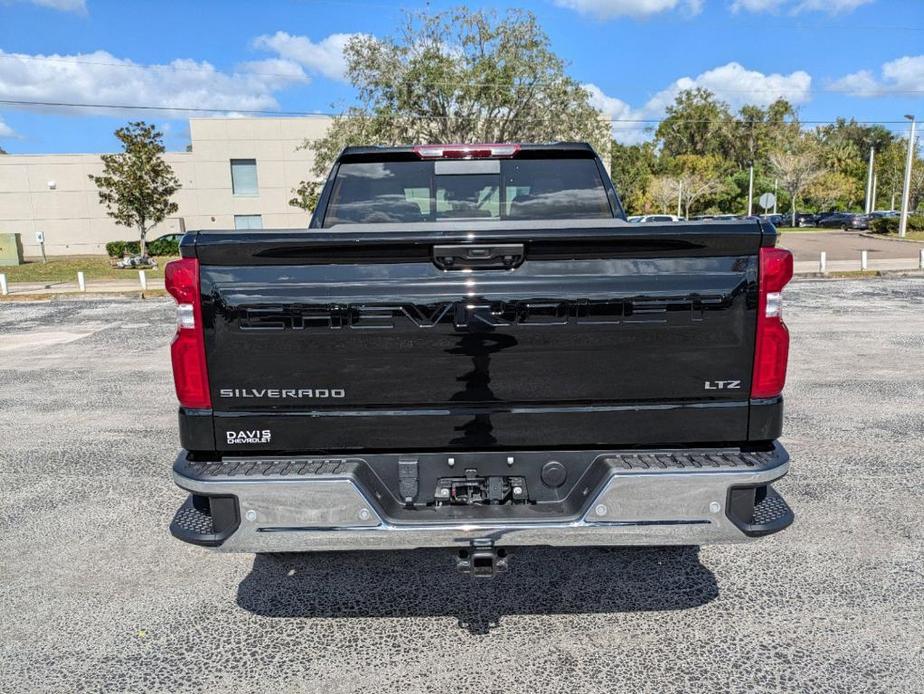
<point>482,559</point>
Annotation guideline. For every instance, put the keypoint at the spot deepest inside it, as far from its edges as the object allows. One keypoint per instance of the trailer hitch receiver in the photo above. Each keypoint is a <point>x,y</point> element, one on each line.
<point>482,559</point>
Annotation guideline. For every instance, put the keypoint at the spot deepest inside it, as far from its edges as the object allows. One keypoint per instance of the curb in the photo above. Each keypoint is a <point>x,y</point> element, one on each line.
<point>78,296</point>
<point>856,274</point>
<point>881,237</point>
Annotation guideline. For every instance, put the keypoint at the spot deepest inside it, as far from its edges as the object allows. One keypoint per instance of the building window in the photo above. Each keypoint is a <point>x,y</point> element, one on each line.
<point>248,221</point>
<point>244,176</point>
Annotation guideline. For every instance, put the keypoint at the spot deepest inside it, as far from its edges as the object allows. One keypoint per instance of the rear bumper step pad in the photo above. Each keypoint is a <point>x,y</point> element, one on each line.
<point>758,511</point>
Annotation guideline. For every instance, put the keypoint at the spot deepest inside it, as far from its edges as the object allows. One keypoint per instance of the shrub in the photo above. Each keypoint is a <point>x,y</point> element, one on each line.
<point>884,225</point>
<point>164,247</point>
<point>117,249</point>
<point>889,225</point>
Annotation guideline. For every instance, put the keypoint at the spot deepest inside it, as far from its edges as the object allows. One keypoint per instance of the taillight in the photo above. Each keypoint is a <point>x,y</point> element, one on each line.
<point>772,346</point>
<point>187,351</point>
<point>466,151</point>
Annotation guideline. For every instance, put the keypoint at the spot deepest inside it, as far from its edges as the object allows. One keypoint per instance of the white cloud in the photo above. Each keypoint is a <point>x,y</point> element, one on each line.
<point>829,6</point>
<point>626,126</point>
<point>611,106</point>
<point>6,131</point>
<point>637,9</point>
<point>731,83</point>
<point>797,6</point>
<point>324,56</point>
<point>737,86</point>
<point>901,76</point>
<point>861,83</point>
<point>79,6</point>
<point>757,5</point>
<point>101,78</point>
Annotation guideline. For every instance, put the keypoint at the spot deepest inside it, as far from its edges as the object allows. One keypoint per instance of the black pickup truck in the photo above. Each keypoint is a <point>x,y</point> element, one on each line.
<point>470,347</point>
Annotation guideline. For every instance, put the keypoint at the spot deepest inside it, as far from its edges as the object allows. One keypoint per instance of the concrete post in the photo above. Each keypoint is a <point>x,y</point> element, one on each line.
<point>142,278</point>
<point>823,262</point>
<point>864,260</point>
<point>4,289</point>
<point>920,260</point>
<point>81,282</point>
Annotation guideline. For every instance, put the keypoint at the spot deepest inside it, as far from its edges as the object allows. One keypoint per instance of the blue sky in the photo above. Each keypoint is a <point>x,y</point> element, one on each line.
<point>853,58</point>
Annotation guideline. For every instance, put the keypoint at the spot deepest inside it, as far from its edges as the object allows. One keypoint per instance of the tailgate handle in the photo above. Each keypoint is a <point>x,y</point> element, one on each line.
<point>483,257</point>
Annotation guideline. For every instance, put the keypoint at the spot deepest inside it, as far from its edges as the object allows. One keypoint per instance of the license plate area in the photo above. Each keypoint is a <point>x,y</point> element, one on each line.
<point>474,489</point>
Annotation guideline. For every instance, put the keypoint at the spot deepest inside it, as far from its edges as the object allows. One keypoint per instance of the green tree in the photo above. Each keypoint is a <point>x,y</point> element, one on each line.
<point>890,173</point>
<point>696,123</point>
<point>861,136</point>
<point>843,157</point>
<point>700,178</point>
<point>661,194</point>
<point>844,148</point>
<point>832,190</point>
<point>305,195</point>
<point>631,168</point>
<point>917,184</point>
<point>796,170</point>
<point>734,195</point>
<point>457,76</point>
<point>137,184</point>
<point>756,131</point>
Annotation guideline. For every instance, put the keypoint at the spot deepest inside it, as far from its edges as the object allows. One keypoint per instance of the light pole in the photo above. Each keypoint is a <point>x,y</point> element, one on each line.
<point>869,181</point>
<point>903,222</point>
<point>679,197</point>
<point>751,192</point>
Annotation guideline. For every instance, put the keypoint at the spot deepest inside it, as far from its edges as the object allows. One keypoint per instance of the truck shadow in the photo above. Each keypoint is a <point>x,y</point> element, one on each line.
<point>424,583</point>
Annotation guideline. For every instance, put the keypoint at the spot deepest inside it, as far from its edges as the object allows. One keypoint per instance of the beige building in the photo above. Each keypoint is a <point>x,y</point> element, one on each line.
<point>239,174</point>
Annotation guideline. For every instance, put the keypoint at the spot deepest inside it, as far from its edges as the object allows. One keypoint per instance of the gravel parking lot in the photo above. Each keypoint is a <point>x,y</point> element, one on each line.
<point>95,594</point>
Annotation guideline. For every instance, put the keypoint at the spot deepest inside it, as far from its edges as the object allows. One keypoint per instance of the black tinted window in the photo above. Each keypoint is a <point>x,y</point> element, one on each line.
<point>419,191</point>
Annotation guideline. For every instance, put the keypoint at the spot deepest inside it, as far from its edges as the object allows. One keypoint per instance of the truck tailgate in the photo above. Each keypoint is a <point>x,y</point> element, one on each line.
<point>592,333</point>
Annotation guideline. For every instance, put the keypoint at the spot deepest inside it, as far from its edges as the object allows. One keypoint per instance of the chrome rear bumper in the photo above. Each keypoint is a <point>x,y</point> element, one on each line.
<point>649,506</point>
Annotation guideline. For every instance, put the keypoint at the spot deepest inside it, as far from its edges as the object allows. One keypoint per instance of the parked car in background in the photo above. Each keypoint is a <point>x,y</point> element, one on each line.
<point>708,217</point>
<point>173,238</point>
<point>835,220</point>
<point>862,222</point>
<point>803,219</point>
<point>777,220</point>
<point>646,218</point>
<point>851,220</point>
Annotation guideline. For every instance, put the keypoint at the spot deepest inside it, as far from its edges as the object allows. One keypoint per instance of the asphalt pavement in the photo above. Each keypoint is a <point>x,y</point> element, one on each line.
<point>96,596</point>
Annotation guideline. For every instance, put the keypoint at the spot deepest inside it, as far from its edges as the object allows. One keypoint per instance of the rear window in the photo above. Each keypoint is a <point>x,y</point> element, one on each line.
<point>484,189</point>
